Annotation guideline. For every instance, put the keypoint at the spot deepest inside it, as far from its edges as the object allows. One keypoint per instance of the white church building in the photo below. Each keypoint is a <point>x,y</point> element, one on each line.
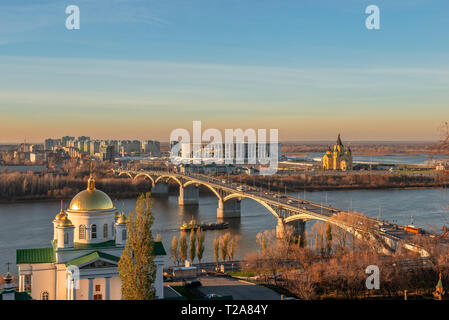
<point>88,240</point>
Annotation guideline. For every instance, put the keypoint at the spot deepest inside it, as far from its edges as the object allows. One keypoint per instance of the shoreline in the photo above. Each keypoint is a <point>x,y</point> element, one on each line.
<point>351,188</point>
<point>307,189</point>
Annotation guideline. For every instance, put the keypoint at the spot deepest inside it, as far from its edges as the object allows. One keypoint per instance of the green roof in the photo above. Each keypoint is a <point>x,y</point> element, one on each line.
<point>41,255</point>
<point>91,257</point>
<point>47,255</point>
<point>23,296</point>
<point>20,296</point>
<point>110,243</point>
<point>158,246</point>
<point>159,249</point>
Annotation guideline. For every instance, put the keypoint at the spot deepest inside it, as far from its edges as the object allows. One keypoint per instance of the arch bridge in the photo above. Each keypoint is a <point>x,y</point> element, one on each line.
<point>286,209</point>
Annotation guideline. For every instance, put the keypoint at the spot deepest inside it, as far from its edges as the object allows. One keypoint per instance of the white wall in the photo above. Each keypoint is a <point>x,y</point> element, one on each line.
<point>43,279</point>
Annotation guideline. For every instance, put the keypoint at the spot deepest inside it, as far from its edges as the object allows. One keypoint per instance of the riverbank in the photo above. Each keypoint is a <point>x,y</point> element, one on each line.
<point>114,196</point>
<point>329,181</point>
<point>29,188</point>
<point>17,186</point>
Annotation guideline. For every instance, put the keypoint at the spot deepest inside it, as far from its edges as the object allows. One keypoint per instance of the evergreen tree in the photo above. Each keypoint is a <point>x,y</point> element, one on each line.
<point>328,238</point>
<point>192,250</point>
<point>232,248</point>
<point>183,247</point>
<point>200,246</point>
<point>136,266</point>
<point>322,250</point>
<point>174,250</point>
<point>216,250</point>
<point>225,246</point>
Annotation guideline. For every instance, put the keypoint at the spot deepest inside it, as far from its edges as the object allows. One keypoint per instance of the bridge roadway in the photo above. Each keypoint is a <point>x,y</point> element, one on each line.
<point>286,209</point>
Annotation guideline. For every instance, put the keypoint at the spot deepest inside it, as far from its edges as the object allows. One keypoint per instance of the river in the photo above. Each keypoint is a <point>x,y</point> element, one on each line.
<point>29,224</point>
<point>388,158</point>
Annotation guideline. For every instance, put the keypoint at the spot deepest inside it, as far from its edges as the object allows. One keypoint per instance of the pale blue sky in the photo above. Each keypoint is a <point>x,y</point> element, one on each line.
<point>138,69</point>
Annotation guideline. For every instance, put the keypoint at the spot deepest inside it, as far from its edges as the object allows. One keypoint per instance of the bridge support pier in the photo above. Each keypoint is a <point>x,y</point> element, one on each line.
<point>298,228</point>
<point>280,228</point>
<point>188,196</point>
<point>229,209</point>
<point>160,189</point>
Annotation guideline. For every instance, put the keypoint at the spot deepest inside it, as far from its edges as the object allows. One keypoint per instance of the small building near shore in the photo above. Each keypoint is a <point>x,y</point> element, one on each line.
<point>185,272</point>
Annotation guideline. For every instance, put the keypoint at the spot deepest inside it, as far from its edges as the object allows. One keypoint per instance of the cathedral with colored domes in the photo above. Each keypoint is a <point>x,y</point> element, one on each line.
<point>338,159</point>
<point>82,262</point>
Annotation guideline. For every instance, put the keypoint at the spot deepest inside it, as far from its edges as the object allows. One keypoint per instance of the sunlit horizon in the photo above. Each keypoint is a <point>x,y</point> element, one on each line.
<point>312,72</point>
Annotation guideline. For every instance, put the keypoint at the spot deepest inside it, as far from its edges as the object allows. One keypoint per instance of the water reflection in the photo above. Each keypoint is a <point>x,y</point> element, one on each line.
<point>29,225</point>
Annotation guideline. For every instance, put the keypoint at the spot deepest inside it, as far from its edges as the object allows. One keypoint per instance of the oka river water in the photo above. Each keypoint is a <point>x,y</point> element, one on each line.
<point>29,225</point>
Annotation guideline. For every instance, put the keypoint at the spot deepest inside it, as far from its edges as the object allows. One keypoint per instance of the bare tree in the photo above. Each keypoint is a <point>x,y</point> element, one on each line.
<point>302,286</point>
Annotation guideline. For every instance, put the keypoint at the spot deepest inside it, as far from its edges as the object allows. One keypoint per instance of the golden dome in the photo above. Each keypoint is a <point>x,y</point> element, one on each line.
<point>122,219</point>
<point>60,215</point>
<point>91,199</point>
<point>65,222</point>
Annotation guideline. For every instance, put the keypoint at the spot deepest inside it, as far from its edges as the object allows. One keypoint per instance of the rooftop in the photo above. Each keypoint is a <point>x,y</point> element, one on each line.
<point>47,255</point>
<point>90,257</point>
<point>40,255</point>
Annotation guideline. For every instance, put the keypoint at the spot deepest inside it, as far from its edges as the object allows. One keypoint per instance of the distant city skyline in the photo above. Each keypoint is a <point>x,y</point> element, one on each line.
<point>317,141</point>
<point>139,69</point>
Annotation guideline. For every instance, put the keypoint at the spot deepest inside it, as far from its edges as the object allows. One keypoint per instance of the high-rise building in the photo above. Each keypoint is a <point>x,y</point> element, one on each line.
<point>66,141</point>
<point>152,147</point>
<point>94,147</point>
<point>239,153</point>
<point>50,143</point>
<point>128,146</point>
<point>106,152</point>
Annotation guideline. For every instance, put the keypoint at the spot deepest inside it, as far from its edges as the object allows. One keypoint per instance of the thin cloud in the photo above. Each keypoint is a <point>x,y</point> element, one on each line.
<point>31,16</point>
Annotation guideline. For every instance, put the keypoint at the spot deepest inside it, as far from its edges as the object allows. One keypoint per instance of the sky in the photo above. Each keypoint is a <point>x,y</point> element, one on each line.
<point>138,69</point>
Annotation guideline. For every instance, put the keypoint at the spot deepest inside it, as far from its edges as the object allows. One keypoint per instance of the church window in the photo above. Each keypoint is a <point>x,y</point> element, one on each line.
<point>105,230</point>
<point>66,238</point>
<point>94,231</point>
<point>45,295</point>
<point>82,234</point>
<point>27,282</point>
<point>124,234</point>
